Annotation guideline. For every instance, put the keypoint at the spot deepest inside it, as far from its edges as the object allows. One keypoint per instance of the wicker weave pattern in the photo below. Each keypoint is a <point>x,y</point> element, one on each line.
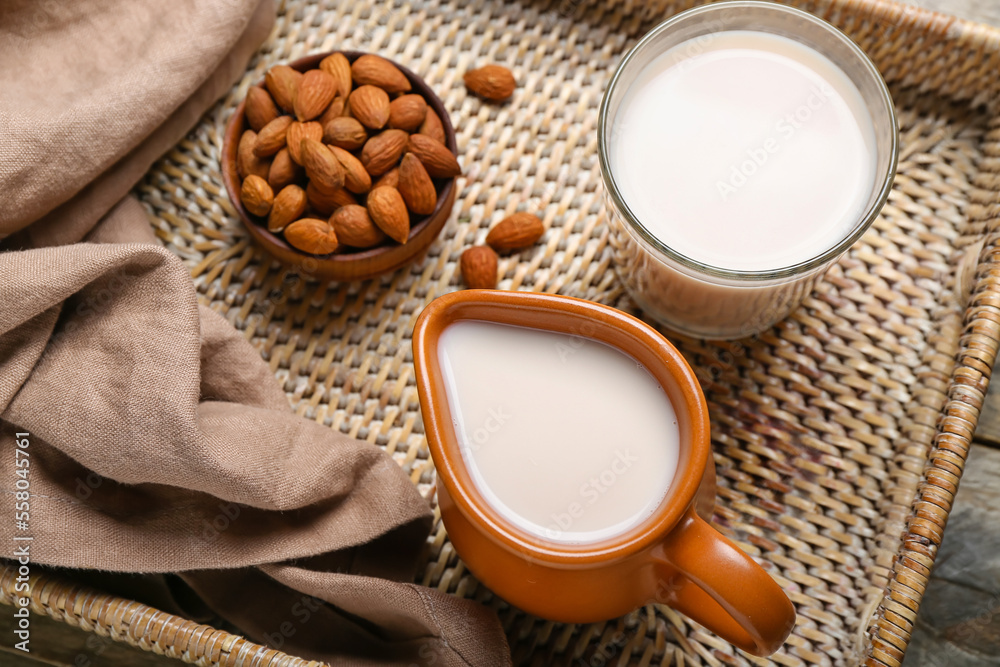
<point>836,469</point>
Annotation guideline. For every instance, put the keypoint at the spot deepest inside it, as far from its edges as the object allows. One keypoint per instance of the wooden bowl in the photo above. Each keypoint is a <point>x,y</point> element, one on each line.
<point>352,264</point>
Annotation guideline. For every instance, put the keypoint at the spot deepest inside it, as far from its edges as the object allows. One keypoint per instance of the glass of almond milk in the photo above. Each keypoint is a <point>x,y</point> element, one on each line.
<point>745,146</point>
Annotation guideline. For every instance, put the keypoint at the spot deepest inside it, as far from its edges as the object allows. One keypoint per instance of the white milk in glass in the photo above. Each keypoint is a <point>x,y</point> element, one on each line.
<point>567,438</point>
<point>746,151</point>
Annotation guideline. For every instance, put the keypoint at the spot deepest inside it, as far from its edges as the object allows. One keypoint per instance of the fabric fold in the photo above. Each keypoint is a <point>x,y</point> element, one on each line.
<point>96,90</point>
<point>120,397</point>
<point>384,622</point>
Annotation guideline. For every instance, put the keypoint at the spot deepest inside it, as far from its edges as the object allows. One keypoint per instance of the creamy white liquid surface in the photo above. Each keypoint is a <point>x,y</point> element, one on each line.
<point>567,438</point>
<point>744,150</point>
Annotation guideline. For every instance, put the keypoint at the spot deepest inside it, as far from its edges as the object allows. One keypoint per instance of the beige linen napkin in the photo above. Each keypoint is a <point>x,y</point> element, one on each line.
<point>160,441</point>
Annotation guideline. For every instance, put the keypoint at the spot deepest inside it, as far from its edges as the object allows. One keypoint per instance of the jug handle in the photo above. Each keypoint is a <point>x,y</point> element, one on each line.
<point>712,581</point>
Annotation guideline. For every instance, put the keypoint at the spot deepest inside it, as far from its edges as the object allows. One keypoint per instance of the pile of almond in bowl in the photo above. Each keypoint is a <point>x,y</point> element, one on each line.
<point>339,158</point>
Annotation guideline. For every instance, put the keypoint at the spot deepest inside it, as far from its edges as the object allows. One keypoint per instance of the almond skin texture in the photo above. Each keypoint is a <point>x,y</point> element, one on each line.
<point>322,167</point>
<point>516,232</point>
<point>283,171</point>
<point>259,108</point>
<point>281,81</point>
<point>328,202</point>
<point>389,179</point>
<point>437,159</point>
<point>407,112</point>
<point>313,236</point>
<point>382,152</point>
<point>479,267</point>
<point>247,161</point>
<point>492,82</point>
<point>376,71</point>
<point>337,66</point>
<point>388,211</point>
<point>416,187</point>
<point>432,126</point>
<point>314,93</point>
<point>271,138</point>
<point>356,179</point>
<point>335,110</point>
<point>370,105</point>
<point>289,205</point>
<point>296,133</point>
<point>345,132</point>
<point>256,195</point>
<point>354,227</point>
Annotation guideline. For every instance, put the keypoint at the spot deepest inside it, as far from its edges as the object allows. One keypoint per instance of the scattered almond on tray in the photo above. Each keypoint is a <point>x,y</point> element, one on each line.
<point>478,264</point>
<point>479,267</point>
<point>341,157</point>
<point>492,82</point>
<point>515,232</point>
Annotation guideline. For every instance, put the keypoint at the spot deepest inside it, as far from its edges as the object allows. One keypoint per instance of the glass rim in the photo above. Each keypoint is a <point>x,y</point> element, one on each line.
<point>792,270</point>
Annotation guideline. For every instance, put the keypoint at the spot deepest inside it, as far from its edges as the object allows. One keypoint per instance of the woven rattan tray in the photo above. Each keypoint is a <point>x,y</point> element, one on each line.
<point>840,435</point>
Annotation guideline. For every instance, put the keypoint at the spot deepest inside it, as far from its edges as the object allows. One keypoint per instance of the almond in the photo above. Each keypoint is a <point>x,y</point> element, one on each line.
<point>326,202</point>
<point>337,66</point>
<point>247,161</point>
<point>281,82</point>
<point>432,127</point>
<point>382,152</point>
<point>438,160</point>
<point>370,105</point>
<point>259,108</point>
<point>479,267</point>
<point>289,205</point>
<point>335,110</point>
<point>389,179</point>
<point>388,210</point>
<point>407,112</point>
<point>515,232</point>
<point>377,71</point>
<point>492,82</point>
<point>314,93</point>
<point>313,236</point>
<point>271,138</point>
<point>416,187</point>
<point>283,171</point>
<point>297,132</point>
<point>322,167</point>
<point>256,195</point>
<point>354,227</point>
<point>346,133</point>
<point>356,179</point>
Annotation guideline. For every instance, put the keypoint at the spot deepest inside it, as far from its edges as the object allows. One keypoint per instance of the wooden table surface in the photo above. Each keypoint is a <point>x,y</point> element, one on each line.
<point>959,622</point>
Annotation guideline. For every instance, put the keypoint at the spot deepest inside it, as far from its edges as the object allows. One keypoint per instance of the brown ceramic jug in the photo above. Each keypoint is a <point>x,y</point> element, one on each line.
<point>675,557</point>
